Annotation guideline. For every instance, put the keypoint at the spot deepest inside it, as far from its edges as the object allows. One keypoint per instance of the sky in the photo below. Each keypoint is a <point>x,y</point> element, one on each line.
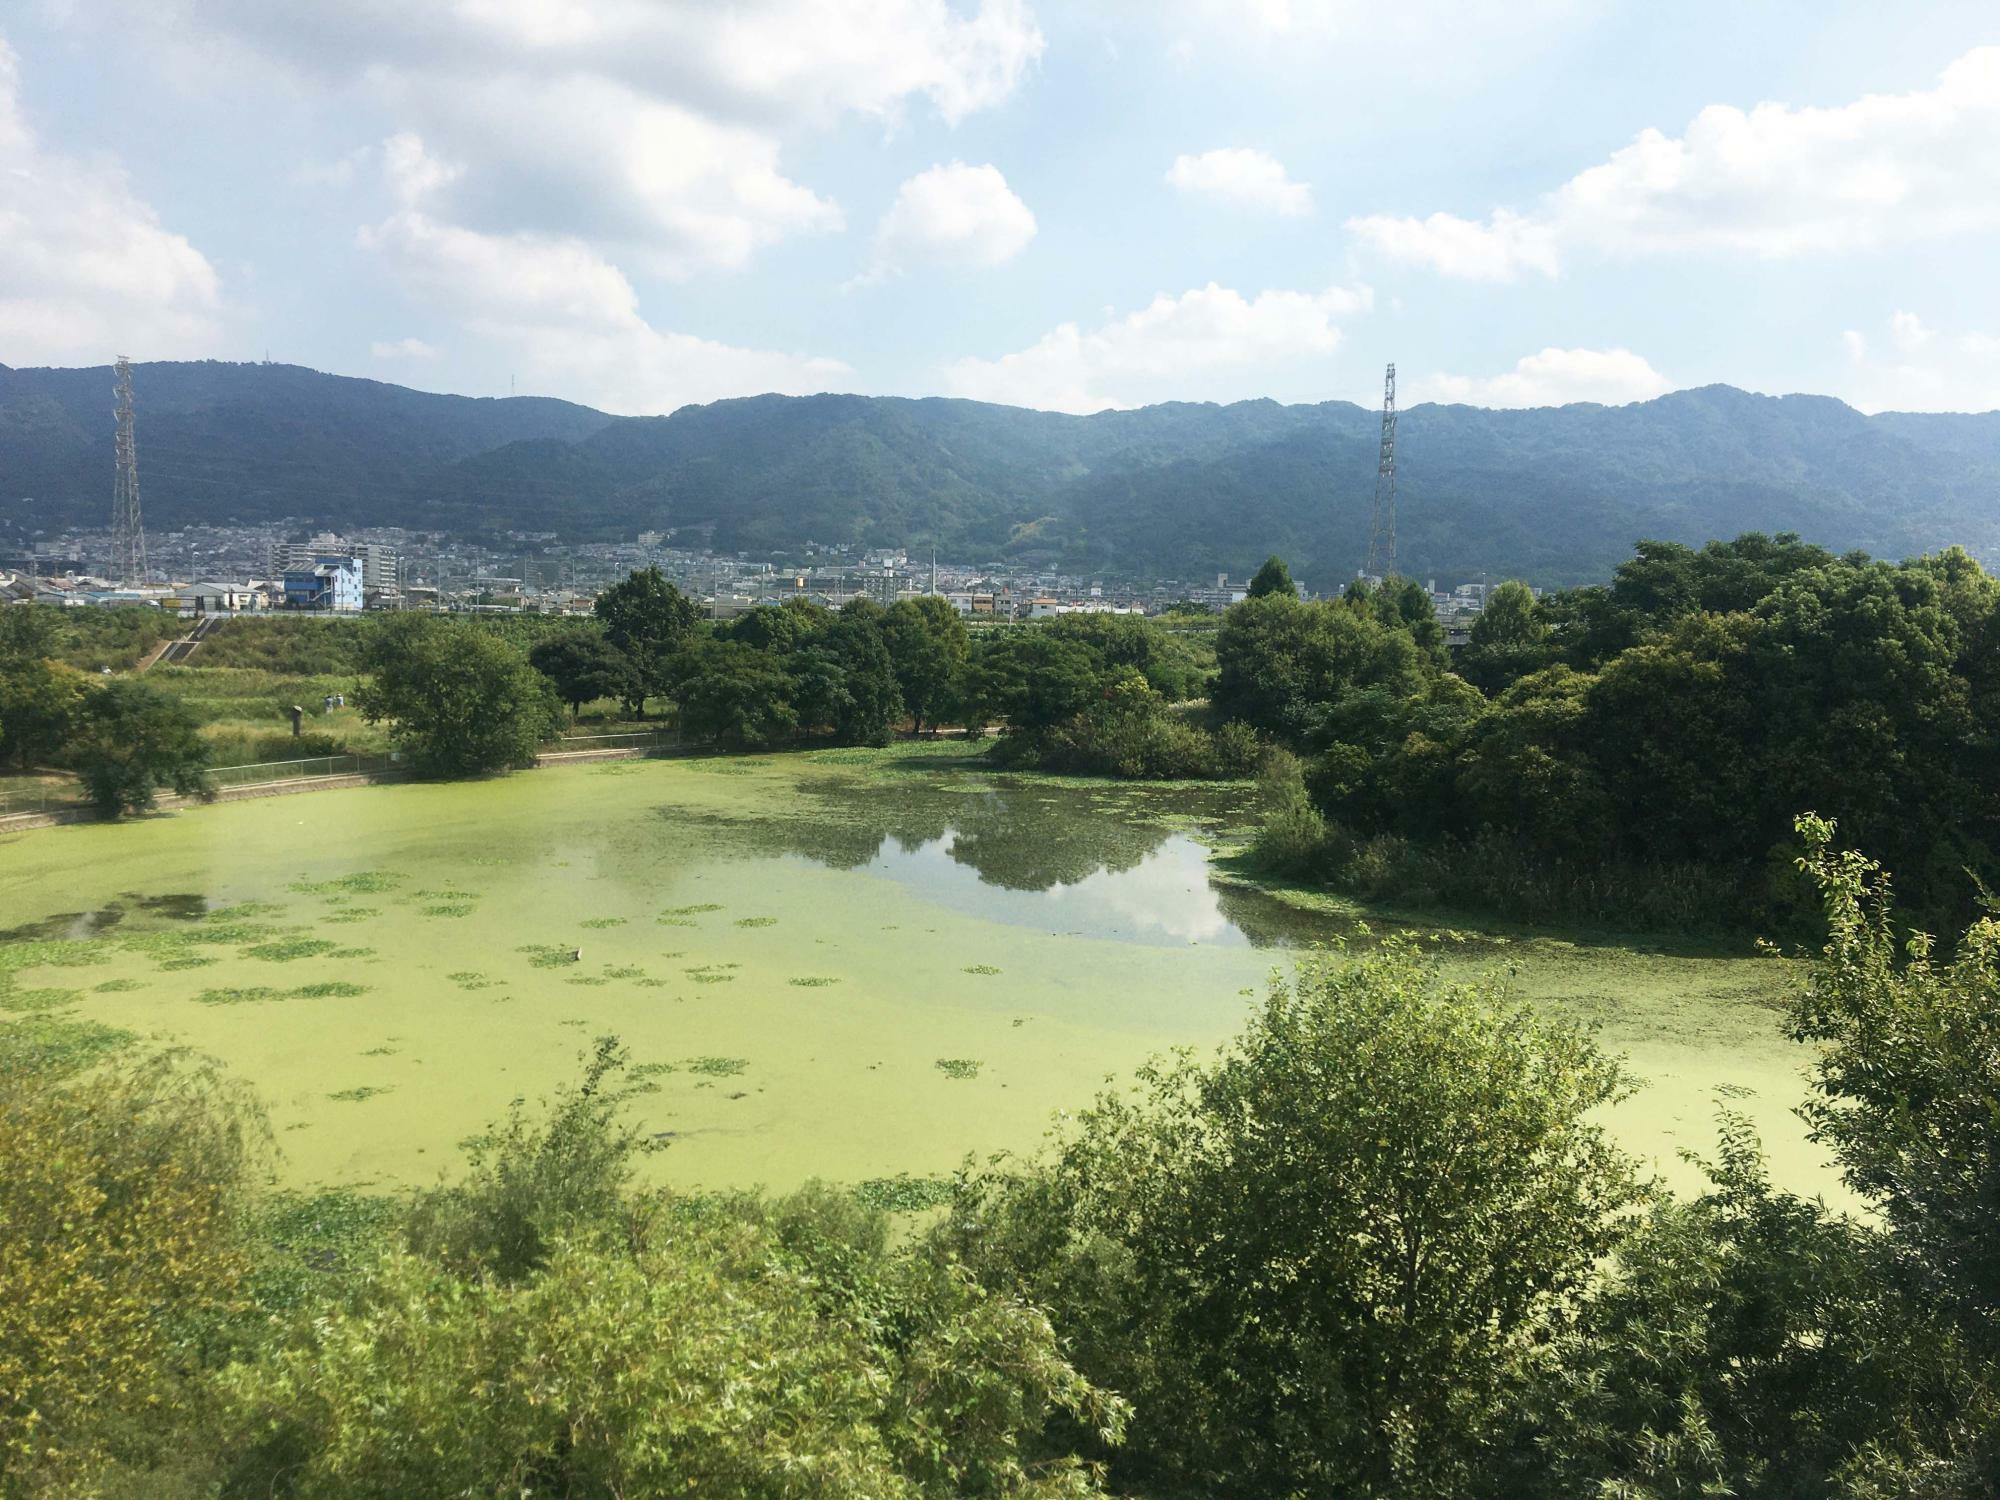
<point>1070,204</point>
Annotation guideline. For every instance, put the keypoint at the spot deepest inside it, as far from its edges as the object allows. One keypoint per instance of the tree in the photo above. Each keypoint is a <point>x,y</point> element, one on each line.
<point>1273,578</point>
<point>928,649</point>
<point>584,666</point>
<point>1404,604</point>
<point>130,740</point>
<point>1323,1264</point>
<point>735,695</point>
<point>1284,664</point>
<point>1907,1094</point>
<point>1164,660</point>
<point>1508,640</point>
<point>39,703</point>
<point>650,620</point>
<point>871,702</point>
<point>1750,1342</point>
<point>459,701</point>
<point>1032,679</point>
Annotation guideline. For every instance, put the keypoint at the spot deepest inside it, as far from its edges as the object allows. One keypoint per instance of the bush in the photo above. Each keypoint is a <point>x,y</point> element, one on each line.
<point>1293,838</point>
<point>121,1264</point>
<point>529,1186</point>
<point>1327,1261</point>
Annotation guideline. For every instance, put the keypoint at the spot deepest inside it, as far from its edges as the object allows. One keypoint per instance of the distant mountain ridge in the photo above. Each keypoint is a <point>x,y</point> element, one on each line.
<point>1556,495</point>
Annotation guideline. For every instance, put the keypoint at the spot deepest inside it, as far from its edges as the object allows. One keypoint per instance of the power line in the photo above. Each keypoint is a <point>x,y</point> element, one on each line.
<point>1382,527</point>
<point>128,535</point>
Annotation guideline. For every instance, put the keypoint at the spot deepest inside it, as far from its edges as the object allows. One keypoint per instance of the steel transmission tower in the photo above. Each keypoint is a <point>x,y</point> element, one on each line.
<point>128,536</point>
<point>1382,528</point>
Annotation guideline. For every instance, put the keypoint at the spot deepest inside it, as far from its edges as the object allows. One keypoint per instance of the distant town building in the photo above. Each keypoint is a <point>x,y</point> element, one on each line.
<point>330,584</point>
<point>381,567</point>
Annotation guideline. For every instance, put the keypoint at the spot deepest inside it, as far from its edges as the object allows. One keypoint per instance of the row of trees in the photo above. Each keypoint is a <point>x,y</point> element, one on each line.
<point>125,741</point>
<point>1380,1245</point>
<point>1085,693</point>
<point>1652,739</point>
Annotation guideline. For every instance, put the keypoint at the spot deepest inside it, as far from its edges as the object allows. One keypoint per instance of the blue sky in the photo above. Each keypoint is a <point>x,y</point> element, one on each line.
<point>642,203</point>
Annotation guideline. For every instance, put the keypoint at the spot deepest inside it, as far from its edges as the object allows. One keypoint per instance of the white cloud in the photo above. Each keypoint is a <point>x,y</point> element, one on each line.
<point>402,349</point>
<point>1774,182</point>
<point>1207,343</point>
<point>86,271</point>
<point>1554,377</point>
<point>569,320</point>
<point>654,130</point>
<point>1239,174</point>
<point>1925,369</point>
<point>1908,333</point>
<point>1497,250</point>
<point>665,186</point>
<point>953,215</point>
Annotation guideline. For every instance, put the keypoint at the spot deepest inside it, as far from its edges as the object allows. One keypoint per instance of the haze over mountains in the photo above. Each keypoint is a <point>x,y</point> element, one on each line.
<point>1556,495</point>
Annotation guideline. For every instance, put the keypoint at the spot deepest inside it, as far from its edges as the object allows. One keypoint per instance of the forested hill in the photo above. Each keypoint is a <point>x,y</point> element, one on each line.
<point>1556,494</point>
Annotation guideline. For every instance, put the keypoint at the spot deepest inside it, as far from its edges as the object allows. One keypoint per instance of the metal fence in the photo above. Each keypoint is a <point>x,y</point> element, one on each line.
<point>634,739</point>
<point>40,798</point>
<point>261,773</point>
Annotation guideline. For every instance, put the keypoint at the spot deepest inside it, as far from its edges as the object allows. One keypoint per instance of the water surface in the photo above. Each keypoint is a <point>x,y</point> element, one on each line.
<point>825,967</point>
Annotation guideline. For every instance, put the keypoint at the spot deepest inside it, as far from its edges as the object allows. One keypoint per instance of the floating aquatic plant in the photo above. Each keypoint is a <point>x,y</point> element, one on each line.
<point>902,1193</point>
<point>54,1044</point>
<point>367,882</point>
<point>547,955</point>
<point>290,950</point>
<point>717,1067</point>
<point>959,1067</point>
<point>35,1000</point>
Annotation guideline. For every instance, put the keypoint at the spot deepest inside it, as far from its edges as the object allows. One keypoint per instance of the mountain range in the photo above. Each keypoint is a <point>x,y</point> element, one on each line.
<point>1555,495</point>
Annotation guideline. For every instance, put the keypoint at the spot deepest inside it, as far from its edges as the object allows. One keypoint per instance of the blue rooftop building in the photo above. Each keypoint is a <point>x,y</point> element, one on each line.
<point>331,583</point>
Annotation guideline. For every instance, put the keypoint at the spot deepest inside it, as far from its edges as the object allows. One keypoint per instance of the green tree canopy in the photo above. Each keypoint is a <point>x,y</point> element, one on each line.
<point>1324,1262</point>
<point>459,701</point>
<point>584,666</point>
<point>1273,578</point>
<point>129,740</point>
<point>1283,664</point>
<point>734,694</point>
<point>650,620</point>
<point>928,648</point>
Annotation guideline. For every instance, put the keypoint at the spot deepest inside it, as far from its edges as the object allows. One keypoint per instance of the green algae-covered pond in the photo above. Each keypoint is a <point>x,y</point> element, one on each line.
<point>848,965</point>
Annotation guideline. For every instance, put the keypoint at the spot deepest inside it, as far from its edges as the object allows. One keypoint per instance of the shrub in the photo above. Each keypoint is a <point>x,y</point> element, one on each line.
<point>120,1261</point>
<point>1325,1262</point>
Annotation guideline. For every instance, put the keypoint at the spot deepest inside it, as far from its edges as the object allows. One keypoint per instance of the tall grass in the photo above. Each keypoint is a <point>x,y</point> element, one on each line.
<point>1494,873</point>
